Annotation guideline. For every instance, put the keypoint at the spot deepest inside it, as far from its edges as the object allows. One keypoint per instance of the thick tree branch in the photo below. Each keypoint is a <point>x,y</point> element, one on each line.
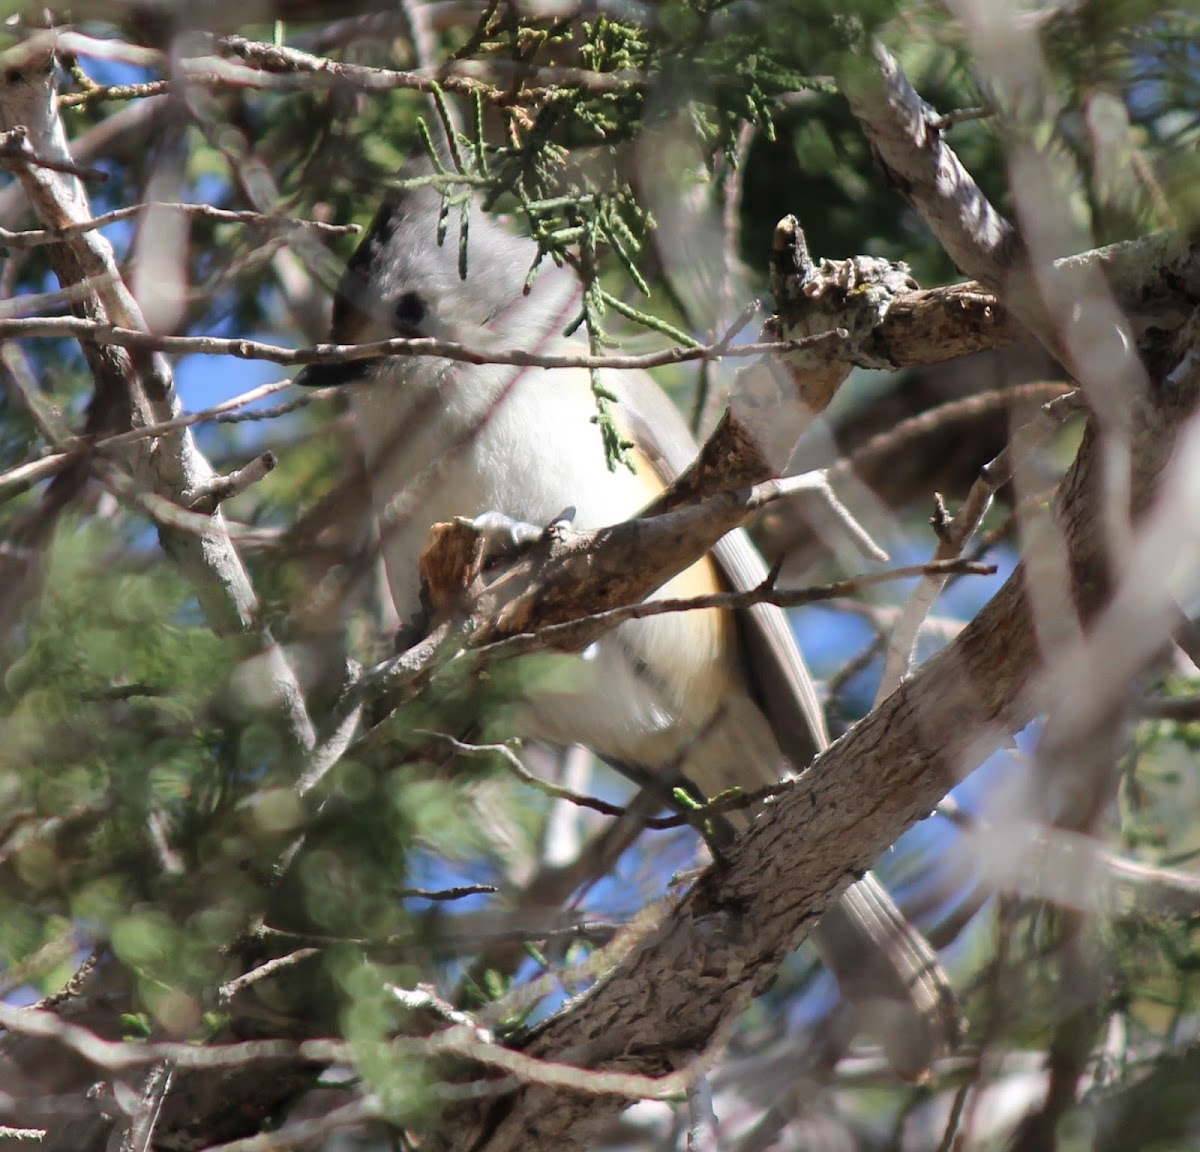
<point>1079,308</point>
<point>722,943</point>
<point>908,142</point>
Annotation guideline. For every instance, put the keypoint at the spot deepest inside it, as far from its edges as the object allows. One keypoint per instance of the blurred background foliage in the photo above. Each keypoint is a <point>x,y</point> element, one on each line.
<point>147,799</point>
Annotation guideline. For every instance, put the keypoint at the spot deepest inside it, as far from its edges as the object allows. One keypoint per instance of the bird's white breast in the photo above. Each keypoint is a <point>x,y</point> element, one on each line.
<point>469,440</point>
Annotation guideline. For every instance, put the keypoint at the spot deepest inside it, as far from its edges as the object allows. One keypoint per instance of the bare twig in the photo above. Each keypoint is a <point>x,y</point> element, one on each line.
<point>464,1041</point>
<point>957,1105</point>
<point>273,67</point>
<point>954,534</point>
<point>834,515</point>
<point>60,327</point>
<point>425,999</point>
<point>513,763</point>
<point>933,419</point>
<point>139,1133</point>
<point>463,76</point>
<point>216,491</point>
<point>465,934</point>
<point>569,634</point>
<point>947,120</point>
<point>458,892</point>
<point>40,237</point>
<point>36,302</point>
<point>703,1130</point>
<point>112,92</point>
<point>116,1055</point>
<point>17,152</point>
<point>24,475</point>
<point>860,662</point>
<point>267,969</point>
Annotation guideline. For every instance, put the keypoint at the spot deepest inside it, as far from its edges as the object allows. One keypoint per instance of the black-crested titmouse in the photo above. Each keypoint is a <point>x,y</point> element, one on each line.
<point>724,700</point>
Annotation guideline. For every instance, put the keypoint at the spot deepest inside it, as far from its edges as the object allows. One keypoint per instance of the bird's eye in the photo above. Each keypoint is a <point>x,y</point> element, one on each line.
<point>409,311</point>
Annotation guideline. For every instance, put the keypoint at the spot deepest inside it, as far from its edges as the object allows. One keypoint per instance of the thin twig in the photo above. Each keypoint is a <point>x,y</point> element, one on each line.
<point>934,419</point>
<point>949,1135</point>
<point>837,516</point>
<point>62,297</point>
<point>852,667</point>
<point>24,475</point>
<point>954,534</point>
<point>513,763</point>
<point>273,67</point>
<point>423,998</point>
<point>62,327</point>
<point>39,237</point>
<point>101,92</point>
<point>306,1133</point>
<point>947,120</point>
<point>157,1084</point>
<point>590,930</point>
<point>230,989</point>
<point>115,1055</point>
<point>703,1134</point>
<point>554,635</point>
<point>16,151</point>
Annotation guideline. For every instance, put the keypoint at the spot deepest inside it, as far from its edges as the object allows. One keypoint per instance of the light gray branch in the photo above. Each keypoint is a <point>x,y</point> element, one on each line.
<point>908,141</point>
<point>170,466</point>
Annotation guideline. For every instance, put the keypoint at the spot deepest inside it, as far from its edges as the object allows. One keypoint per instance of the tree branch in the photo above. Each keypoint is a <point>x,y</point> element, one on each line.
<point>722,943</point>
<point>141,385</point>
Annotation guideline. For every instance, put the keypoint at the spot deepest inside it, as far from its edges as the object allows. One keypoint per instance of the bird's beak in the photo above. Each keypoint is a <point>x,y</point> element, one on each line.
<point>351,325</point>
<point>331,375</point>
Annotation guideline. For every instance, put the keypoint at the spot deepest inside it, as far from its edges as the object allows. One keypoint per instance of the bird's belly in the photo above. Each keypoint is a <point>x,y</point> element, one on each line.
<point>643,692</point>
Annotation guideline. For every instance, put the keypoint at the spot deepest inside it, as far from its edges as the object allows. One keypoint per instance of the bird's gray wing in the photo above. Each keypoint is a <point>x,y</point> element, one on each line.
<point>884,966</point>
<point>780,681</point>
